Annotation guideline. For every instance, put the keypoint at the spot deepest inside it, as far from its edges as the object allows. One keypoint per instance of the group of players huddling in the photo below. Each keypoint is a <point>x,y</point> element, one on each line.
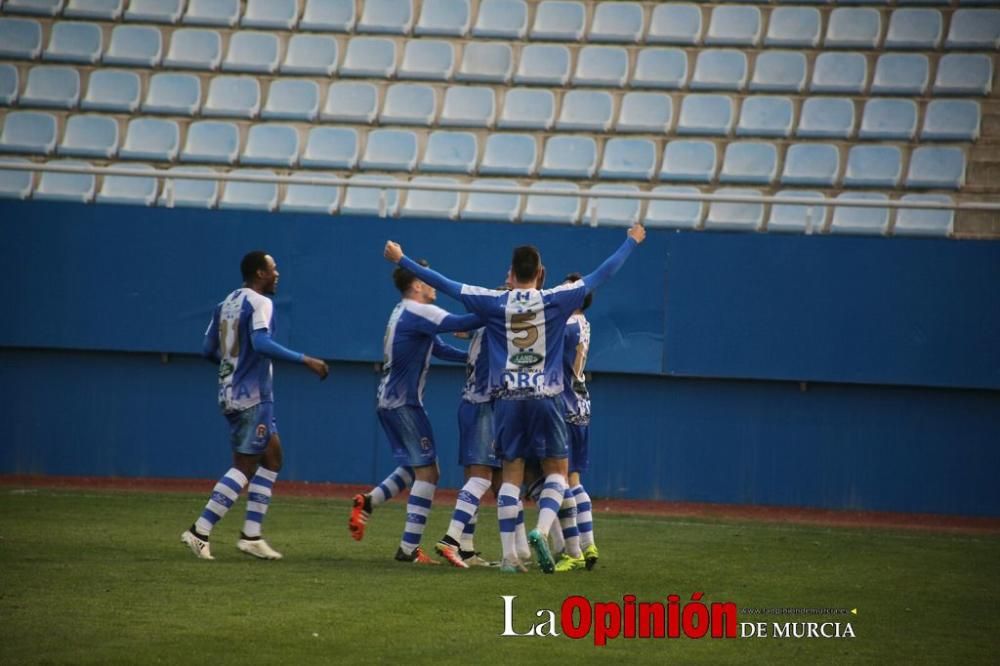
<point>523,419</point>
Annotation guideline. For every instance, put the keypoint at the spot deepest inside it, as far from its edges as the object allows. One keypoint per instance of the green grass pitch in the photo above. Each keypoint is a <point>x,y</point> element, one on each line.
<point>101,577</point>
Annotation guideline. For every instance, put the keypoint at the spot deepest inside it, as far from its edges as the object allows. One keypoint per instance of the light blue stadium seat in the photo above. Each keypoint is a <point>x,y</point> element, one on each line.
<point>214,141</point>
<point>689,161</point>
<point>311,54</point>
<point>138,45</point>
<point>901,74</point>
<point>66,186</point>
<point>937,167</point>
<point>485,206</point>
<point>90,136</point>
<point>766,115</point>
<point>194,48</point>
<point>660,68</point>
<point>795,218</point>
<point>964,74</point>
<point>812,164</point>
<point>840,73</point>
<point>151,139</point>
<point>175,94</point>
<point>129,190</point>
<point>675,23</point>
<point>951,120</point>
<point>528,108</point>
<point>432,203</point>
<point>853,28</point>
<point>779,71</point>
<point>645,112</point>
<point>590,110</point>
<point>544,64</point>
<point>733,25</point>
<point>552,208</point>
<point>504,19</point>
<point>187,192</point>
<point>271,144</point>
<point>925,222</point>
<point>674,214</point>
<point>34,7</point>
<point>617,22</point>
<point>863,221</point>
<point>914,28</point>
<point>329,16</point>
<point>238,195</point>
<point>450,152</point>
<point>448,18</point>
<point>706,114</point>
<point>509,155</point>
<point>235,96</point>
<point>29,132</point>
<point>256,52</point>
<point>221,13</point>
<point>332,148</point>
<point>428,59</point>
<point>723,216</point>
<point>154,11</point>
<point>386,16</point>
<point>292,99</point>
<point>749,163</point>
<point>569,157</point>
<point>310,198</point>
<point>16,184</point>
<point>606,211</point>
<point>112,90</point>
<point>720,69</point>
<point>52,86</point>
<point>485,61</point>
<point>873,166</point>
<point>271,14</point>
<point>383,202</point>
<point>559,20</point>
<point>794,27</point>
<point>390,150</point>
<point>974,29</point>
<point>20,38</point>
<point>468,106</point>
<point>351,102</point>
<point>70,41</point>
<point>10,84</point>
<point>605,66</point>
<point>889,120</point>
<point>409,104</point>
<point>369,57</point>
<point>627,158</point>
<point>108,10</point>
<point>826,118</point>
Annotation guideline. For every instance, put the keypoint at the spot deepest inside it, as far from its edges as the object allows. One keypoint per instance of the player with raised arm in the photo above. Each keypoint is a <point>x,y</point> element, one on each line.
<point>239,340</point>
<point>410,340</point>
<point>524,333</point>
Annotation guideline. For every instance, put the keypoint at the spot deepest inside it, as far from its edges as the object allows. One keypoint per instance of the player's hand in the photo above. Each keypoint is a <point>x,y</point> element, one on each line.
<point>540,282</point>
<point>637,232</point>
<point>318,366</point>
<point>393,252</point>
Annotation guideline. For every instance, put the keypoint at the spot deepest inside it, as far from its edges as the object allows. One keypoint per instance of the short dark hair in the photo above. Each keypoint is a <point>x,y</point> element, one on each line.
<point>589,298</point>
<point>525,262</point>
<point>403,279</point>
<point>253,262</point>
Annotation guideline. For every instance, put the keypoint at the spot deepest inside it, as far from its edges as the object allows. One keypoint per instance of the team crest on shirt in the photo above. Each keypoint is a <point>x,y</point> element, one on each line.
<point>425,443</point>
<point>526,358</point>
<point>261,431</point>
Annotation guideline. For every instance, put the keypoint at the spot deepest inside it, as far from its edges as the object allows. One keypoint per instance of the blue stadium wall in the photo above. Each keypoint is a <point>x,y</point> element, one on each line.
<point>834,372</point>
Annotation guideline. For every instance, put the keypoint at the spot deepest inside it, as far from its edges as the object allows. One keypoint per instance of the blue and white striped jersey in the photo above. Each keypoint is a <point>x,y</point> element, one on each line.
<point>575,396</point>
<point>477,370</point>
<point>245,375</point>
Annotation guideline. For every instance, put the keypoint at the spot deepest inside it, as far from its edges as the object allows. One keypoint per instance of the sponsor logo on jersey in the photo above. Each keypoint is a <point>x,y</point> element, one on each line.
<point>526,358</point>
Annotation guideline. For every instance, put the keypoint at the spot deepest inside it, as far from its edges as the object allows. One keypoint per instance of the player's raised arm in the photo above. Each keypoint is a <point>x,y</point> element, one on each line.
<point>264,344</point>
<point>210,345</point>
<point>394,252</point>
<point>446,352</point>
<point>604,272</point>
<point>460,323</point>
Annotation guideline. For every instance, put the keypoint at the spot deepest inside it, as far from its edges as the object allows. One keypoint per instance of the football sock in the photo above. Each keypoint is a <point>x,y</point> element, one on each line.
<point>469,533</point>
<point>258,499</point>
<point>224,495</point>
<point>550,501</point>
<point>584,517</point>
<point>417,509</point>
<point>567,520</point>
<point>401,477</point>
<point>466,505</point>
<point>520,534</point>
<point>507,506</point>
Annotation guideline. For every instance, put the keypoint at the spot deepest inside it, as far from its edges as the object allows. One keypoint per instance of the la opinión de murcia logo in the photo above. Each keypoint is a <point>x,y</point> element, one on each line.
<point>578,617</point>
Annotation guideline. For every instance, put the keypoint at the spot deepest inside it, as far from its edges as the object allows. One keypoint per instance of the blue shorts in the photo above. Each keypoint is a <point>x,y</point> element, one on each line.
<point>476,445</point>
<point>250,430</point>
<point>579,448</point>
<point>532,428</point>
<point>410,435</point>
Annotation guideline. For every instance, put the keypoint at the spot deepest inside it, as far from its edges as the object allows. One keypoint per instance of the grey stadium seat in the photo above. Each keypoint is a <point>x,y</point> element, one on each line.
<point>724,216</point>
<point>292,99</point>
<point>528,108</point>
<point>66,186</point>
<point>505,19</point>
<point>889,120</point>
<point>795,218</point>
<point>749,162</point>
<point>151,139</point>
<point>441,204</point>
<point>238,195</point>
<point>854,28</point>
<point>468,106</point>
<point>187,192</point>
<point>10,84</point>
<point>74,42</point>
<point>138,45</point>
<point>107,10</point>
<point>552,208</point>
<point>20,38</point>
<point>271,144</point>
<point>569,157</point>
<point>112,90</point>
<point>487,206</point>
<point>449,18</point>
<point>873,166</point>
<point>645,112</point>
<point>627,158</point>
<point>429,59</point>
<point>311,54</point>
<point>674,214</point>
<point>939,167</point>
<point>720,69</point>
<point>310,198</point>
<point>369,200</point>
<point>964,74</point>
<point>836,72</point>
<point>952,120</point>
<point>386,16</point>
<point>369,57</point>
<point>52,86</point>
<point>590,110</point>
<point>914,28</point>
<point>450,152</point>
<point>154,11</point>
<point>332,148</point>
<point>675,23</point>
<point>621,22</point>
<point>660,68</point>
<point>329,16</point>
<point>796,27</point>
<point>351,102</point>
<point>409,104</point>
<point>175,94</point>
<point>509,155</point>
<point>214,141</point>
<point>486,62</point>
<point>974,29</point>
<point>812,164</point>
<point>901,74</point>
<point>766,115</point>
<point>733,25</point>
<point>544,64</point>
<point>779,71</point>
<point>29,132</point>
<point>390,150</point>
<point>35,7</point>
<point>613,212</point>
<point>826,118</point>
<point>559,20</point>
<point>864,221</point>
<point>254,52</point>
<point>270,14</point>
<point>222,13</point>
<point>194,48</point>
<point>90,136</point>
<point>925,222</point>
<point>132,190</point>
<point>605,66</point>
<point>706,114</point>
<point>689,161</point>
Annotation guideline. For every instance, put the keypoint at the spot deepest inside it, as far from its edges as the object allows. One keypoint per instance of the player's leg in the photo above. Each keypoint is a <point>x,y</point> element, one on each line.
<point>363,505</point>
<point>413,445</point>
<point>508,431</point>
<point>585,520</point>
<point>549,438</point>
<point>572,558</point>
<point>264,474</point>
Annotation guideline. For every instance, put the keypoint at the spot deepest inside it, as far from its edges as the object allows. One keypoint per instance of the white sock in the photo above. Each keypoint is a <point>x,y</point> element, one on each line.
<point>550,501</point>
<point>521,534</point>
<point>584,517</point>
<point>466,505</point>
<point>258,500</point>
<point>507,515</point>
<point>395,483</point>
<point>225,493</point>
<point>417,509</point>
<point>567,521</point>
